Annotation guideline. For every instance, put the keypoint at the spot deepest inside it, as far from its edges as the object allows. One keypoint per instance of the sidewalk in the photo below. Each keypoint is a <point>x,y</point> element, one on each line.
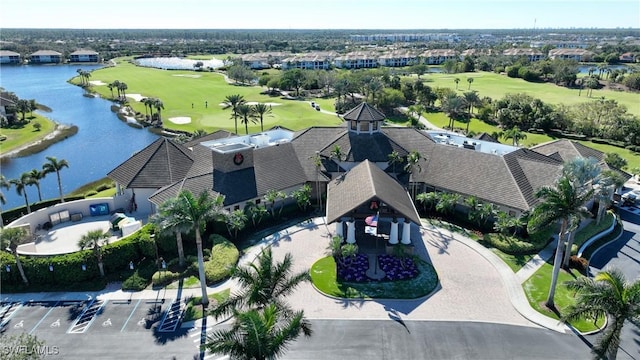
<point>472,288</point>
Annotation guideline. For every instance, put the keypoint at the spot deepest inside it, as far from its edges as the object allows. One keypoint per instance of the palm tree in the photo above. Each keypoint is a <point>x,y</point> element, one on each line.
<point>235,221</point>
<point>317,162</point>
<point>607,183</point>
<point>10,238</point>
<point>234,101</point>
<point>6,185</point>
<point>157,103</point>
<point>122,89</point>
<point>53,165</point>
<point>413,160</point>
<point>454,106</point>
<point>95,239</point>
<point>261,110</point>
<point>608,294</point>
<point>245,113</point>
<point>515,134</point>
<point>111,86</point>
<point>116,84</point>
<point>337,154</point>
<point>37,175</point>
<point>457,81</point>
<point>394,158</point>
<point>167,222</point>
<point>21,187</point>
<point>195,213</point>
<point>263,282</point>
<point>259,334</point>
<point>560,203</point>
<point>148,103</point>
<point>469,80</point>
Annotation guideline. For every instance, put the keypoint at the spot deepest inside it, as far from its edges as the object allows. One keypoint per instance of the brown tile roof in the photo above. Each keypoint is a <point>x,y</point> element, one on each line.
<point>486,137</point>
<point>159,164</point>
<point>364,112</point>
<point>274,168</point>
<point>363,183</point>
<point>307,142</point>
<point>46,53</point>
<point>374,147</point>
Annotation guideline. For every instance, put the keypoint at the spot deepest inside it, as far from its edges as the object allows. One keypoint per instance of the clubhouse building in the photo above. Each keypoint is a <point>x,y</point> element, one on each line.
<point>349,165</point>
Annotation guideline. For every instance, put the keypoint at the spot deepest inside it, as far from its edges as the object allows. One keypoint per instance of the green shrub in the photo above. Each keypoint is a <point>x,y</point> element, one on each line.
<point>515,246</point>
<point>134,282</point>
<point>90,193</point>
<point>103,187</point>
<point>224,257</point>
<point>163,278</point>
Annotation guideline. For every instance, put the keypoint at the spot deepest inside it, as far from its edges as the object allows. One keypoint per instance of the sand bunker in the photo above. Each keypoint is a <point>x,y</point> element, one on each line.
<point>97,82</point>
<point>180,120</point>
<point>136,97</point>
<point>188,76</point>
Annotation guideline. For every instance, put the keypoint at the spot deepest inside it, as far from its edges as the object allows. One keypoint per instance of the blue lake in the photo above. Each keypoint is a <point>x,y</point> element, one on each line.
<point>102,141</point>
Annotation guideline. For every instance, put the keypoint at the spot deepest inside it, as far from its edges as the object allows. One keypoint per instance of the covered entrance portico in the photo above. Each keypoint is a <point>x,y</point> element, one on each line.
<point>367,201</point>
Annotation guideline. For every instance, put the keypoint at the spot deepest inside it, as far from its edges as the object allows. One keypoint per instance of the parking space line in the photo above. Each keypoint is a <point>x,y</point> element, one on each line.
<point>87,316</point>
<point>172,316</point>
<point>10,308</point>
<point>44,317</point>
<point>130,315</point>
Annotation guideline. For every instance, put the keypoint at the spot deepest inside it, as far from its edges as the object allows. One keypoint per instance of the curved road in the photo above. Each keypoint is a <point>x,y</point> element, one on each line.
<point>623,254</point>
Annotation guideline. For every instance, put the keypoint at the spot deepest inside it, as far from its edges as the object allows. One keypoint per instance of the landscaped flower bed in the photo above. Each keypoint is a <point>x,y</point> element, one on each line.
<point>353,268</point>
<point>396,268</point>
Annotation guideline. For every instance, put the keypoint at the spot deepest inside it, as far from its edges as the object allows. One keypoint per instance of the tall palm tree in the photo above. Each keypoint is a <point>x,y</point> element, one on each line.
<point>259,334</point>
<point>234,101</point>
<point>55,165</point>
<point>195,212</point>
<point>413,163</point>
<point>469,80</point>
<point>245,113</point>
<point>263,282</point>
<point>607,182</point>
<point>116,84</point>
<point>457,81</point>
<point>37,175</point>
<point>10,238</point>
<point>454,106</point>
<point>111,86</point>
<point>21,187</point>
<point>515,134</point>
<point>261,110</point>
<point>607,294</point>
<point>147,104</point>
<point>95,239</point>
<point>337,154</point>
<point>394,158</point>
<point>122,89</point>
<point>3,200</point>
<point>167,222</point>
<point>317,163</point>
<point>560,203</point>
<point>159,105</point>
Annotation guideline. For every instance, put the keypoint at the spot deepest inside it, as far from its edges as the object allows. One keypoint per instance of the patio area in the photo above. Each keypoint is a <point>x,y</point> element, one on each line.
<point>63,238</point>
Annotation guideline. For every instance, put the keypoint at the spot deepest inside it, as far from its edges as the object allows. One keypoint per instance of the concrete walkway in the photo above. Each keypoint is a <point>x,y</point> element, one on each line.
<point>475,284</point>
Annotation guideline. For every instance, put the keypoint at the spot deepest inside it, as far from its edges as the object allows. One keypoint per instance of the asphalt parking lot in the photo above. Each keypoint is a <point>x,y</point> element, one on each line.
<point>78,317</point>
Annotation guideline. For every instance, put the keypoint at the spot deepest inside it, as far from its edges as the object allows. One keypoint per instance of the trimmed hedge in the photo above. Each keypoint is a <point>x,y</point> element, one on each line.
<point>516,246</point>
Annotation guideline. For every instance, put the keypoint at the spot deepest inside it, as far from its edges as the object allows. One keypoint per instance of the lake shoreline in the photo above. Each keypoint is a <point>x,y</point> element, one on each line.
<point>60,133</point>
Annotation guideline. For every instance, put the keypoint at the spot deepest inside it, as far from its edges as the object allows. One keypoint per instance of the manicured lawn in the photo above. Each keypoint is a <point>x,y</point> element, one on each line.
<point>591,230</point>
<point>25,135</point>
<point>179,89</point>
<point>633,159</point>
<point>193,311</point>
<point>537,288</point>
<point>323,276</point>
<point>515,262</point>
<point>496,86</point>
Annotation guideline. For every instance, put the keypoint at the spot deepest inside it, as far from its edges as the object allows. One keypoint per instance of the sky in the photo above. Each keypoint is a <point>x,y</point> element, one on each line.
<point>319,14</point>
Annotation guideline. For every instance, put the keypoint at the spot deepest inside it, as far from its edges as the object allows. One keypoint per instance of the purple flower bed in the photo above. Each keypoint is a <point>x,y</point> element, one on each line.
<point>394,269</point>
<point>353,269</point>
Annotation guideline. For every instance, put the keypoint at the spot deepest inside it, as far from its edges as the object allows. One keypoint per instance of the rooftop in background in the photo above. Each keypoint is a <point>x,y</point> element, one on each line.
<point>260,140</point>
<point>453,139</point>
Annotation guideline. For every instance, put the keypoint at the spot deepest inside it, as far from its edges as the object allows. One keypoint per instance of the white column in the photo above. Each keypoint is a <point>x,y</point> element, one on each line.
<point>406,233</point>
<point>393,235</point>
<point>351,232</point>
<point>339,231</point>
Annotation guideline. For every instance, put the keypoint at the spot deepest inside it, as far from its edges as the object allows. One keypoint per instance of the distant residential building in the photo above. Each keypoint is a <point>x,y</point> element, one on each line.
<point>45,57</point>
<point>263,60</point>
<point>397,58</point>
<point>560,44</point>
<point>84,56</point>
<point>320,60</point>
<point>627,57</point>
<point>476,52</point>
<point>5,102</point>
<point>357,60</point>
<point>531,54</point>
<point>571,54</point>
<point>9,57</point>
<point>448,37</point>
<point>438,56</point>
